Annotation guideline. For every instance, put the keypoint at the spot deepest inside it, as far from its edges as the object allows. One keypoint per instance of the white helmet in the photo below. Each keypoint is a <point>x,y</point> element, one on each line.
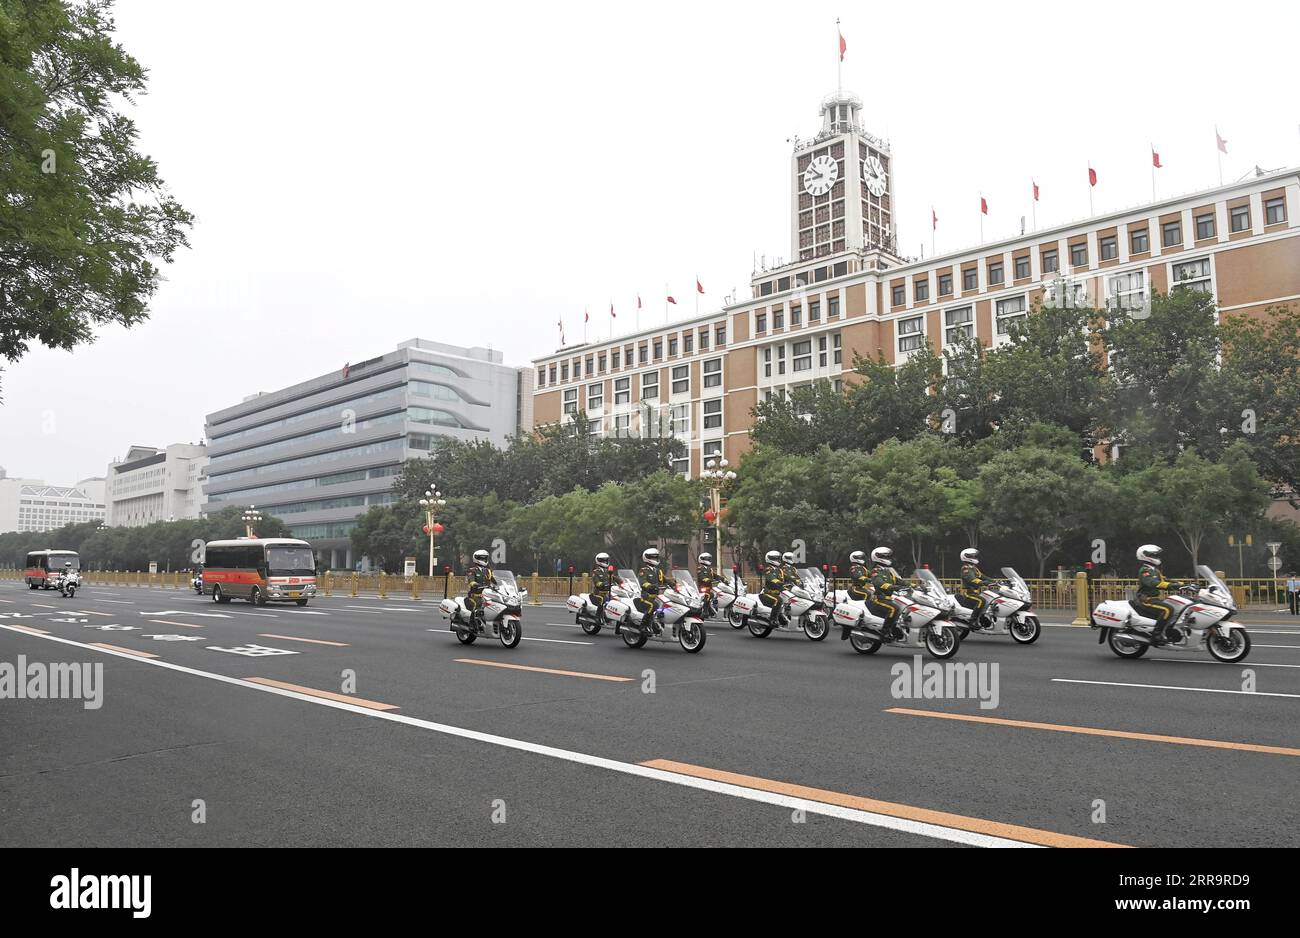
<point>1149,553</point>
<point>651,556</point>
<point>858,557</point>
<point>970,555</point>
<point>706,558</point>
<point>788,556</point>
<point>481,557</point>
<point>883,556</point>
<point>602,559</point>
<point>773,558</point>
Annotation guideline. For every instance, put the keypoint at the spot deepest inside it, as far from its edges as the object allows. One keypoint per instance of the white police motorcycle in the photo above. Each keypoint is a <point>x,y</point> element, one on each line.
<point>725,594</point>
<point>502,613</point>
<point>681,608</point>
<point>805,604</point>
<point>68,581</point>
<point>1008,608</point>
<point>1202,620</point>
<point>922,623</point>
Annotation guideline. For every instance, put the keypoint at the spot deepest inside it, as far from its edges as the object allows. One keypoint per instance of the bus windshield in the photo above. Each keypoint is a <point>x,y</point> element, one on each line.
<point>291,561</point>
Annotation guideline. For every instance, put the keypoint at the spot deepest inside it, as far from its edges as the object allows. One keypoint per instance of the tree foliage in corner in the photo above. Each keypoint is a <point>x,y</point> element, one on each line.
<point>84,216</point>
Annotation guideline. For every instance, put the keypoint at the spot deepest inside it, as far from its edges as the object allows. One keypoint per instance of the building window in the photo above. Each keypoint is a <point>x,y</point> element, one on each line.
<point>1241,218</point>
<point>760,323</point>
<point>995,274</point>
<point>1079,255</point>
<point>945,284</point>
<point>1171,234</point>
<point>911,334</point>
<point>1022,268</point>
<point>970,279</point>
<point>767,363</point>
<point>838,355</point>
<point>1275,211</point>
<point>960,324</point>
<point>623,425</point>
<point>541,377</point>
<point>613,360</point>
<point>1193,275</point>
<point>704,340</point>
<point>814,311</point>
<point>796,315</point>
<point>564,371</point>
<point>833,308</point>
<point>643,354</point>
<point>1051,263</point>
<point>682,379</point>
<point>711,449</point>
<point>821,352</point>
<point>720,338</point>
<point>590,363</point>
<point>659,349</point>
<point>570,402</point>
<point>899,295</point>
<point>1205,226</point>
<point>688,343</point>
<point>780,359</point>
<point>713,373</point>
<point>713,414</point>
<point>622,391</point>
<point>778,319</point>
<point>1109,248</point>
<point>1140,241</point>
<point>595,396</point>
<point>593,427</point>
<point>672,347</point>
<point>650,385</point>
<point>602,362</point>
<point>1127,291</point>
<point>1009,311</point>
<point>921,290</point>
<point>802,356</point>
<point>680,417</point>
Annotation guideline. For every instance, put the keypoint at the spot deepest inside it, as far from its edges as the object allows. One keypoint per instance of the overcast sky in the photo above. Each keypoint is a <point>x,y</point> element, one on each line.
<point>363,173</point>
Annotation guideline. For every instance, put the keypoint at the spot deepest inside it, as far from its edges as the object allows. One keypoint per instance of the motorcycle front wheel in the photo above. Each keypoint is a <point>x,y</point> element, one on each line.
<point>944,645</point>
<point>1026,631</point>
<point>736,619</point>
<point>816,627</point>
<point>692,636</point>
<point>510,632</point>
<point>1233,647</point>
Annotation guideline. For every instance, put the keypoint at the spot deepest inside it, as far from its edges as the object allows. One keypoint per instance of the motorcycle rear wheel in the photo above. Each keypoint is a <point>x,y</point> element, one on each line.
<point>466,638</point>
<point>863,645</point>
<point>634,638</point>
<point>589,626</point>
<point>1124,648</point>
<point>759,628</point>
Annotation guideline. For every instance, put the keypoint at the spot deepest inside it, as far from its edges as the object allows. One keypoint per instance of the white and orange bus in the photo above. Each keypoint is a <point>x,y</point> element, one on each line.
<point>44,565</point>
<point>260,570</point>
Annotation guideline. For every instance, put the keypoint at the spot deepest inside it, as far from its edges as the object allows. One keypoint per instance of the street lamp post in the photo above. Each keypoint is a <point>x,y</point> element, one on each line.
<point>717,476</point>
<point>251,517</point>
<point>432,503</point>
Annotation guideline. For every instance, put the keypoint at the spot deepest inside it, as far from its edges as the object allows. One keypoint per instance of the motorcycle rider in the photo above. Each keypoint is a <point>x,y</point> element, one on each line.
<point>602,578</point>
<point>773,583</point>
<point>705,578</point>
<point>1151,587</point>
<point>973,584</point>
<point>652,581</point>
<point>884,582</point>
<point>859,583</point>
<point>792,578</point>
<point>479,578</point>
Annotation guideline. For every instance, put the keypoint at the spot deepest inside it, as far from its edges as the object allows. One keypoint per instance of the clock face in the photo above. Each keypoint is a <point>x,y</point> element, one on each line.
<point>820,175</point>
<point>873,175</point>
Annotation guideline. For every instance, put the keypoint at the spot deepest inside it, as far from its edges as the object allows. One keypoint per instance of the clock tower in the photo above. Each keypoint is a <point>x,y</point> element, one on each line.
<point>843,188</point>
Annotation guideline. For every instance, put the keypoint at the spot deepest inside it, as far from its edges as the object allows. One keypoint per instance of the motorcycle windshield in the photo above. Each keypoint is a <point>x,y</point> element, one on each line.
<point>506,581</point>
<point>685,581</point>
<point>1223,595</point>
<point>931,584</point>
<point>629,581</point>
<point>812,579</point>
<point>1016,580</point>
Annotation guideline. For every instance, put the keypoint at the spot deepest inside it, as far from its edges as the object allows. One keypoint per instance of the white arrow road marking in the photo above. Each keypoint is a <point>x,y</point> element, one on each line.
<point>306,612</point>
<point>175,638</point>
<point>113,628</point>
<point>180,612</point>
<point>253,651</point>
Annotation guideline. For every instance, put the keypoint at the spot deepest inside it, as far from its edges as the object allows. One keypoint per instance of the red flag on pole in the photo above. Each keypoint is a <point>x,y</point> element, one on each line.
<point>699,287</point>
<point>984,205</point>
<point>586,316</point>
<point>1092,176</point>
<point>934,219</point>
<point>638,301</point>
<point>671,300</point>
<point>1223,144</point>
<point>1035,182</point>
<point>843,45</point>
<point>613,315</point>
<point>1155,159</point>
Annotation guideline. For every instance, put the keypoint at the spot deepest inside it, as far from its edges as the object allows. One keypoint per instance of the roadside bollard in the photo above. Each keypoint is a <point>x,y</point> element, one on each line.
<point>383,586</point>
<point>1083,612</point>
<point>415,586</point>
<point>535,593</point>
<point>354,585</point>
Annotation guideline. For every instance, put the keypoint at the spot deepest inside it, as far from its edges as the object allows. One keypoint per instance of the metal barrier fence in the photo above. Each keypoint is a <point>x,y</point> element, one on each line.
<point>1048,593</point>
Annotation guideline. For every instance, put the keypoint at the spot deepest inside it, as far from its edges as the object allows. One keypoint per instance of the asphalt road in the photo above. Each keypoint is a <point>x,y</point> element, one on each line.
<point>780,741</point>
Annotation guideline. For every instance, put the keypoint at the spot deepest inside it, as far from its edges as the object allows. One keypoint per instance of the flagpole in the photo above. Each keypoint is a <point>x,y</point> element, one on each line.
<point>981,218</point>
<point>1153,172</point>
<point>1033,204</point>
<point>1091,210</point>
<point>839,60</point>
<point>1218,151</point>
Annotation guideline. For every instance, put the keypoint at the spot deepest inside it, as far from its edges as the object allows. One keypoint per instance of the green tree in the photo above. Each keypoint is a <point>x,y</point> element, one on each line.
<point>387,536</point>
<point>86,217</point>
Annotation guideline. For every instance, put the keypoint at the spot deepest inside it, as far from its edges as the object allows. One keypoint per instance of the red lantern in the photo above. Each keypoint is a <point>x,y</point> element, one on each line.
<point>710,516</point>
<point>426,529</point>
<point>438,528</point>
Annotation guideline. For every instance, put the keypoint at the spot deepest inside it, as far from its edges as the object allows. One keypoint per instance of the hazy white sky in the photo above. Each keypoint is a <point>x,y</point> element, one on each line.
<point>363,173</point>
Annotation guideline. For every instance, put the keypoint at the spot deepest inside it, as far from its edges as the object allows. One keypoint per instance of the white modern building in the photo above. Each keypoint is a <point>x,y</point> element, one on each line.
<point>36,505</point>
<point>321,453</point>
<point>151,484</point>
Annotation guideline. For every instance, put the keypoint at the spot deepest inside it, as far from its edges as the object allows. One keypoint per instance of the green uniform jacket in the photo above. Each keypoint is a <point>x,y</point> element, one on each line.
<point>773,580</point>
<point>859,581</point>
<point>972,580</point>
<point>480,578</point>
<point>884,580</point>
<point>600,579</point>
<point>704,576</point>
<point>653,580</point>
<point>1151,582</point>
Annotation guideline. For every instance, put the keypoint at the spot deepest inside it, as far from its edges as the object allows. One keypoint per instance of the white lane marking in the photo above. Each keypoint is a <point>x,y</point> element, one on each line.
<point>553,641</point>
<point>1292,647</point>
<point>305,612</point>
<point>44,606</point>
<point>120,602</point>
<point>788,802</point>
<point>265,615</point>
<point>1246,664</point>
<point>1202,690</point>
<point>184,612</point>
